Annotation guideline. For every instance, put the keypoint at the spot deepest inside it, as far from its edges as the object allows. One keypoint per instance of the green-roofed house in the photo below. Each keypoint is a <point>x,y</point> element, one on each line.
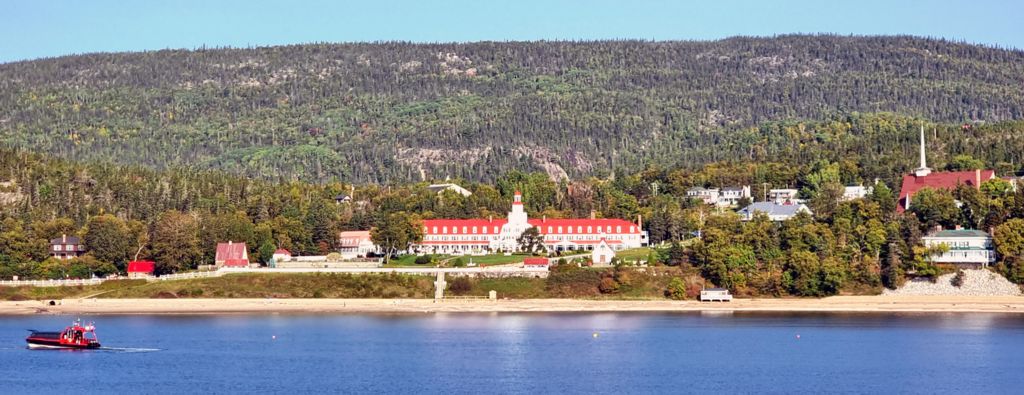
<point>967,247</point>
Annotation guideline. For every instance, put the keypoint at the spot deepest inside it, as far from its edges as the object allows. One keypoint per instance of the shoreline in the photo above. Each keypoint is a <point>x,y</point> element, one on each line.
<point>835,304</point>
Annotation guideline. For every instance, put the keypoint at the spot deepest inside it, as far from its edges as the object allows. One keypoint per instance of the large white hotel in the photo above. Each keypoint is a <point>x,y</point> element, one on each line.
<point>445,236</point>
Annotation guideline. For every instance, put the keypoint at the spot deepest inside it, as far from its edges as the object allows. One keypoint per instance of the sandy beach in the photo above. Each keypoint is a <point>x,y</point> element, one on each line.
<point>860,304</point>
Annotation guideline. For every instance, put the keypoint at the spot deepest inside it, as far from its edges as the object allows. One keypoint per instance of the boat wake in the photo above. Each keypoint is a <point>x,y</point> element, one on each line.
<point>128,349</point>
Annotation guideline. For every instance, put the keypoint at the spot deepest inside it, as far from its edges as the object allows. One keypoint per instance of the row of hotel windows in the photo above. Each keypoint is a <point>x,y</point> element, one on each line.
<point>547,238</point>
<point>58,247</point>
<point>551,229</point>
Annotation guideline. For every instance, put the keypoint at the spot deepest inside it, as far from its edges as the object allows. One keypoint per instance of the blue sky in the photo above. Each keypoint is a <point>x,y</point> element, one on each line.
<point>32,29</point>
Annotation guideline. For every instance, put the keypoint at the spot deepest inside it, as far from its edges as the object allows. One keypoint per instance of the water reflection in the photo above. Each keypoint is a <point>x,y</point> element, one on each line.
<point>531,353</point>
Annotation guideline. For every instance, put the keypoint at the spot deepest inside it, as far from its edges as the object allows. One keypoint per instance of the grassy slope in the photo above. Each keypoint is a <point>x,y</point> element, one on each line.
<point>582,283</point>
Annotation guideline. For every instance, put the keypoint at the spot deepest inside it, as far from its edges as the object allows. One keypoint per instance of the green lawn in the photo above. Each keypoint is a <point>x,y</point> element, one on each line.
<point>409,260</point>
<point>284,285</point>
<point>494,259</point>
<point>634,254</point>
<point>41,293</point>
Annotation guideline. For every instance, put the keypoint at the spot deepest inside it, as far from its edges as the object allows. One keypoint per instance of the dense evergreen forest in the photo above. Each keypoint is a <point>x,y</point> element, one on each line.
<point>394,112</point>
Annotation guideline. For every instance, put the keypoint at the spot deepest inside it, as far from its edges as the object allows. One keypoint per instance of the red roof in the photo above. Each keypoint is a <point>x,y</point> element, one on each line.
<point>231,252</point>
<point>455,226</point>
<point>535,261</point>
<point>352,238</point>
<point>282,251</point>
<point>493,227</point>
<point>584,226</point>
<point>940,180</point>
<point>140,267</point>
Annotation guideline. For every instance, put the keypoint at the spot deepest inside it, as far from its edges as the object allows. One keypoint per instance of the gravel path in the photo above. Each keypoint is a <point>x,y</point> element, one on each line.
<point>977,282</point>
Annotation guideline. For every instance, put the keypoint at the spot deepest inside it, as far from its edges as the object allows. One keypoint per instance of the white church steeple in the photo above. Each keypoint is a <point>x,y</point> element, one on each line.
<point>923,170</point>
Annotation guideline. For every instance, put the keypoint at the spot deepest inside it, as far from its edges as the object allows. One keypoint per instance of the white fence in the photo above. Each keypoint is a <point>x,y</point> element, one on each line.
<point>186,276</point>
<point>51,283</point>
<point>495,271</point>
<point>500,271</point>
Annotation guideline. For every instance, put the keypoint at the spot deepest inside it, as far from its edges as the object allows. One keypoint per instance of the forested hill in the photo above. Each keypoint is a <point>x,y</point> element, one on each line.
<point>397,111</point>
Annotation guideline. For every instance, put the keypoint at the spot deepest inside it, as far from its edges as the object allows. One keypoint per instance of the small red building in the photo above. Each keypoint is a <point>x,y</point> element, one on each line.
<point>140,269</point>
<point>231,254</point>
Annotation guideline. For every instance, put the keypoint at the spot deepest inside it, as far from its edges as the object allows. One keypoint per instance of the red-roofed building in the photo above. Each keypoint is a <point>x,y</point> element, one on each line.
<point>232,254</point>
<point>281,255</point>
<point>480,235</point>
<point>140,269</point>
<point>923,177</point>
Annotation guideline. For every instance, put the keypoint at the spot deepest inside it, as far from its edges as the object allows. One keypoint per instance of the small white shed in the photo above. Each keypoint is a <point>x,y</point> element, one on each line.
<point>715,295</point>
<point>602,254</point>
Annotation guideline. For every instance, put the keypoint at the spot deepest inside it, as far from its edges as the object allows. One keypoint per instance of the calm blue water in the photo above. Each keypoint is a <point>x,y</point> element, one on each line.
<point>526,353</point>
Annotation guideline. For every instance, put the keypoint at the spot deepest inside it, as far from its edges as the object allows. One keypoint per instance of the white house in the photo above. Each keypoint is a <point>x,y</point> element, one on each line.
<point>856,192</point>
<point>781,196</point>
<point>438,188</point>
<point>774,211</point>
<point>356,243</point>
<point>602,254</point>
<point>706,195</point>
<point>731,196</point>
<point>966,247</point>
<point>725,197</point>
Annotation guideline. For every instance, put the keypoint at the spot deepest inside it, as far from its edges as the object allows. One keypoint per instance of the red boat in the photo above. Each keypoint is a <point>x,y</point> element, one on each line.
<point>75,336</point>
